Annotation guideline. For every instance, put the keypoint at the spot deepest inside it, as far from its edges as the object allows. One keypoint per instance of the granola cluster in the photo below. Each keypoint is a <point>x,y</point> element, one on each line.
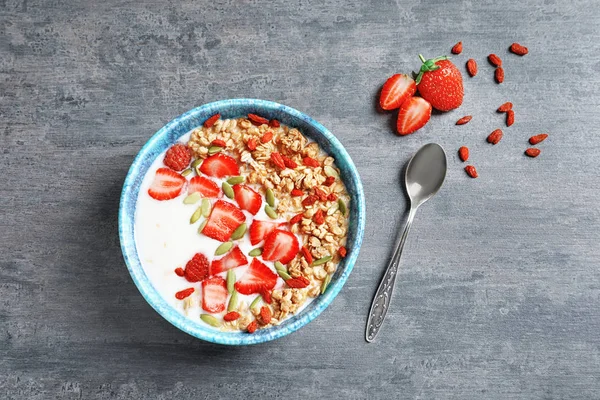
<point>309,193</point>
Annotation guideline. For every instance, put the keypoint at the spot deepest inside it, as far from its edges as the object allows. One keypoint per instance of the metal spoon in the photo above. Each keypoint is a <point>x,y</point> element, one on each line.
<point>425,175</point>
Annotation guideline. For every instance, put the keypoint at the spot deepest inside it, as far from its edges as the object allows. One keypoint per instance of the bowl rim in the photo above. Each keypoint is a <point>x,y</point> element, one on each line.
<point>151,295</point>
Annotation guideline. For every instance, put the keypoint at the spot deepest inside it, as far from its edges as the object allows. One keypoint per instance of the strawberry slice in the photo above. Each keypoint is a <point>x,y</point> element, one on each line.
<point>167,184</point>
<point>413,115</point>
<point>247,198</point>
<point>233,259</point>
<point>214,294</point>
<point>219,166</point>
<point>258,278</point>
<point>280,246</point>
<point>223,220</point>
<point>396,90</point>
<point>260,229</point>
<point>197,268</point>
<point>204,186</point>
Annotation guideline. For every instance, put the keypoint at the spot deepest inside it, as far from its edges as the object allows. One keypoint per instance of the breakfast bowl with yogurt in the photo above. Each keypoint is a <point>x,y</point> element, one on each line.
<point>241,220</point>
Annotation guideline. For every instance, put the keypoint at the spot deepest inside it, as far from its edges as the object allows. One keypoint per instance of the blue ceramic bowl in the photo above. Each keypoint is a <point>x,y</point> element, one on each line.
<point>168,135</point>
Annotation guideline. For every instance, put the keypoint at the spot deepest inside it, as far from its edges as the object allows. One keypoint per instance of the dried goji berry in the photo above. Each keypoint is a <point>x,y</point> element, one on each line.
<point>538,138</point>
<point>332,197</point>
<point>252,327</point>
<point>495,60</point>
<point>296,192</point>
<point>533,152</point>
<point>211,121</point>
<point>320,193</point>
<point>296,218</point>
<point>219,142</point>
<point>310,162</point>
<point>319,218</point>
<point>329,181</point>
<point>471,171</point>
<point>265,315</point>
<point>184,293</point>
<point>266,137</point>
<point>298,283</point>
<point>309,200</point>
<point>510,117</point>
<point>472,67</point>
<point>307,256</point>
<point>518,49</point>
<point>289,163</point>
<point>257,119</point>
<point>499,75</point>
<point>505,107</point>
<point>495,136</point>
<point>274,123</point>
<point>342,251</point>
<point>251,144</point>
<point>457,48</point>
<point>231,316</point>
<point>179,271</point>
<point>278,160</point>
<point>464,120</point>
<point>463,153</point>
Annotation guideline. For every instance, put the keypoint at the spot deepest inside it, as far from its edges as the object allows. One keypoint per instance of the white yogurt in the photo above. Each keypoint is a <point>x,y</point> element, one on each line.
<point>166,240</point>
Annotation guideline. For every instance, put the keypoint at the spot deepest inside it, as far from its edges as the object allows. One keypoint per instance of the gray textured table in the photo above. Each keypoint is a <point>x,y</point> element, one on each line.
<point>499,291</point>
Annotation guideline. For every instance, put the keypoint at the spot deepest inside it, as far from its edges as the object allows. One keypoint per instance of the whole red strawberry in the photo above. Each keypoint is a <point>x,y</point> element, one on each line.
<point>440,83</point>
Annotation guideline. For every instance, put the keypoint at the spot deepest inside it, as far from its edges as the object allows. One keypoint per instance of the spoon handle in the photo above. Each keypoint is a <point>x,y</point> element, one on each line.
<point>383,296</point>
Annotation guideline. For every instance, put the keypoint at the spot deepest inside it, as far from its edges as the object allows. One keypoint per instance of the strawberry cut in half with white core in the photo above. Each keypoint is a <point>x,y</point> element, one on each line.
<point>260,229</point>
<point>280,246</point>
<point>396,90</point>
<point>214,294</point>
<point>223,220</point>
<point>414,114</point>
<point>204,186</point>
<point>233,259</point>
<point>258,278</point>
<point>247,198</point>
<point>167,184</point>
<point>219,166</point>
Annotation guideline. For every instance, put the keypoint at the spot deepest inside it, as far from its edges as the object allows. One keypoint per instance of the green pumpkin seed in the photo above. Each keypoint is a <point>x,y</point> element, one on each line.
<point>325,283</point>
<point>196,215</point>
<point>280,267</point>
<point>330,171</point>
<point>321,261</point>
<point>214,150</point>
<point>270,196</point>
<point>202,225</point>
<point>270,212</point>
<point>224,248</point>
<point>234,180</point>
<point>209,319</point>
<point>283,274</point>
<point>186,172</point>
<point>239,232</point>
<point>255,252</point>
<point>198,172</point>
<point>342,207</point>
<point>230,281</point>
<point>233,301</point>
<point>196,163</point>
<point>205,208</point>
<point>228,190</point>
<point>192,198</point>
<point>255,302</point>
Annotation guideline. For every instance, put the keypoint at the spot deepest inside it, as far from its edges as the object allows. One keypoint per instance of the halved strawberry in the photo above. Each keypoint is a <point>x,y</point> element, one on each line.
<point>196,269</point>
<point>260,229</point>
<point>396,90</point>
<point>413,115</point>
<point>223,220</point>
<point>247,198</point>
<point>258,278</point>
<point>167,184</point>
<point>233,259</point>
<point>204,186</point>
<point>219,165</point>
<point>214,294</point>
<point>280,246</point>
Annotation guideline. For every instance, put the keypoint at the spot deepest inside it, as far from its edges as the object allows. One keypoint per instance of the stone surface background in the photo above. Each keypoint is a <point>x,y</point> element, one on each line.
<point>499,291</point>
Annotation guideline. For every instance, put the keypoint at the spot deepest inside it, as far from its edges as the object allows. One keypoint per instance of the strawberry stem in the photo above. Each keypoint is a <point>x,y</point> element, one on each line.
<point>428,66</point>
